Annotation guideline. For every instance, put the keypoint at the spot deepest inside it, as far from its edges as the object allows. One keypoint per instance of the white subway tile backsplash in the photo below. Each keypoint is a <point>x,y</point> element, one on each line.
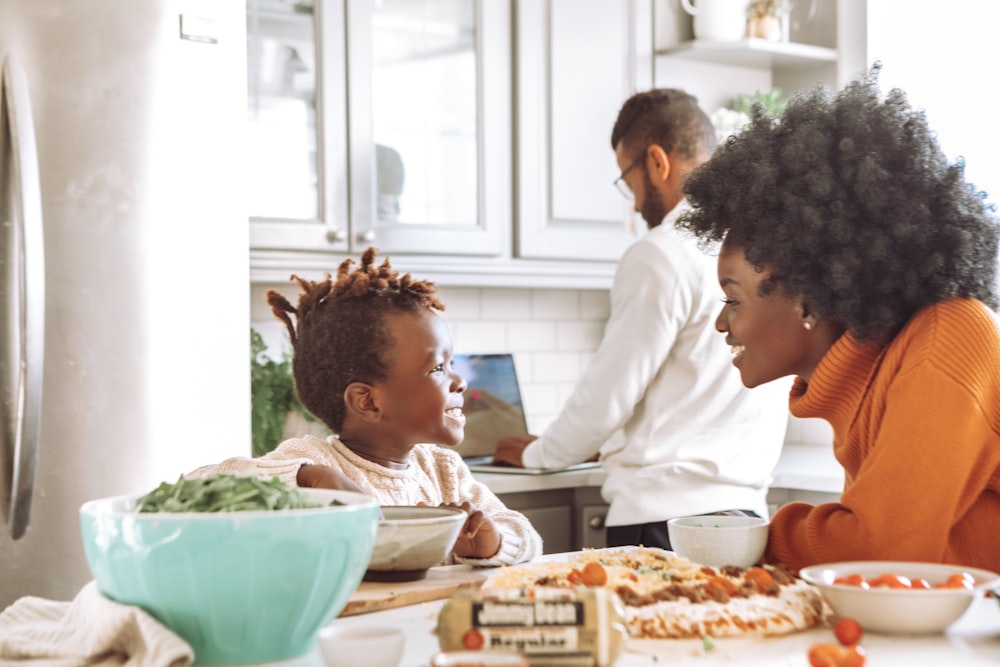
<point>528,336</point>
<point>472,337</point>
<point>506,305</point>
<point>554,304</point>
<point>557,367</point>
<point>542,398</point>
<point>461,303</point>
<point>583,336</point>
<point>595,305</point>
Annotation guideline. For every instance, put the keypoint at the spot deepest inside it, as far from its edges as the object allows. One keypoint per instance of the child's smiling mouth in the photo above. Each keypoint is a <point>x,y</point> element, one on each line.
<point>455,414</point>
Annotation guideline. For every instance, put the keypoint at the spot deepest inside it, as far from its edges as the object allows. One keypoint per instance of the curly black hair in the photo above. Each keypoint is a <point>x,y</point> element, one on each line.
<point>341,336</point>
<point>850,203</point>
<point>667,117</point>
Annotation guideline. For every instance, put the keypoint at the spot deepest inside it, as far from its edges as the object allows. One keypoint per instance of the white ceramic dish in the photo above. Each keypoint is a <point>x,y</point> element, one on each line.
<point>717,541</point>
<point>893,610</point>
<point>361,646</point>
<point>412,539</point>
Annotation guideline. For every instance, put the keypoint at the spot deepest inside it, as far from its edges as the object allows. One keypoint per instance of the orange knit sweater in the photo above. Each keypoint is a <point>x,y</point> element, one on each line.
<point>917,429</point>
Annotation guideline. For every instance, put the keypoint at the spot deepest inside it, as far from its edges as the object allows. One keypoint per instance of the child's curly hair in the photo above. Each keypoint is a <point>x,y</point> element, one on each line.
<point>341,335</point>
<point>851,203</point>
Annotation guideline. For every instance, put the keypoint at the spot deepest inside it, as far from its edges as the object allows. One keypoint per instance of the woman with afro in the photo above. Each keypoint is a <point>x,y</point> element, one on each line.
<point>373,360</point>
<point>858,259</point>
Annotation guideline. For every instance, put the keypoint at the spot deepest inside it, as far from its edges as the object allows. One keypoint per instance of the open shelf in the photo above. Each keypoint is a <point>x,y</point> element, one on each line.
<point>752,52</point>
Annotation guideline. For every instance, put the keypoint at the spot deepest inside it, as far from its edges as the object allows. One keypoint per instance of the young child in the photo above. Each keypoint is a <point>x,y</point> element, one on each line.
<point>373,360</point>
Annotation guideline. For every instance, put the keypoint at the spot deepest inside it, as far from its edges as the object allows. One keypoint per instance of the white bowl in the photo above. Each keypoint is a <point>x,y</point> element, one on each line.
<point>361,645</point>
<point>894,610</point>
<point>717,541</point>
<point>412,539</point>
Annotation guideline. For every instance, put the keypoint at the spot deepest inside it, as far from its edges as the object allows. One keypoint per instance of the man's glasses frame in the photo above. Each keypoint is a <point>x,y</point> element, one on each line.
<point>620,183</point>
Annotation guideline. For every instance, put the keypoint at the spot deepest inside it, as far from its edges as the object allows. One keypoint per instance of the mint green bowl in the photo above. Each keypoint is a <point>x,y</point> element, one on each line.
<point>239,587</point>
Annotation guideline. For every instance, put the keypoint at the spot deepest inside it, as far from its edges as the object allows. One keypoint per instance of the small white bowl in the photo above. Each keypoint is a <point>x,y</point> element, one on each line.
<point>361,645</point>
<point>717,541</point>
<point>893,610</point>
<point>411,539</point>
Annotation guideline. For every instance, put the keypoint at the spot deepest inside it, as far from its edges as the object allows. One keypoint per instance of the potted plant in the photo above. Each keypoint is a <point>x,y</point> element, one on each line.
<point>766,18</point>
<point>275,411</point>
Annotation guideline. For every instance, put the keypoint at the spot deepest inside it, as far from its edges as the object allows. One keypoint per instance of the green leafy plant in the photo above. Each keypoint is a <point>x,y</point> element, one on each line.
<point>772,101</point>
<point>272,396</point>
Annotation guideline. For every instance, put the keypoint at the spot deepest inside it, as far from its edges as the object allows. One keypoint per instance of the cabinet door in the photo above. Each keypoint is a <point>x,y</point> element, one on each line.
<point>396,131</point>
<point>429,102</point>
<point>576,63</point>
<point>297,129</point>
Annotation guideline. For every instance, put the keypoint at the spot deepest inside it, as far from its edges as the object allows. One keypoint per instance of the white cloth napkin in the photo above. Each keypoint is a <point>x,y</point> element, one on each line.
<point>89,631</point>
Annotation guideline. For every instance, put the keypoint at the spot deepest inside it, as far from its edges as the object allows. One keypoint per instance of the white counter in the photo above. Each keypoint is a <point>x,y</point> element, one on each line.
<point>801,468</point>
<point>973,641</point>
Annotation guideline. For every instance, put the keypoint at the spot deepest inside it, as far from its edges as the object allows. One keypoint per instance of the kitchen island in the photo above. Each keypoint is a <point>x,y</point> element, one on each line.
<point>973,641</point>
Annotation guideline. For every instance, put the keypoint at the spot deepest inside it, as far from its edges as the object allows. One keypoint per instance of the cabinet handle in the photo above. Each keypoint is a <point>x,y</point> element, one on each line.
<point>336,236</point>
<point>366,237</point>
<point>596,522</point>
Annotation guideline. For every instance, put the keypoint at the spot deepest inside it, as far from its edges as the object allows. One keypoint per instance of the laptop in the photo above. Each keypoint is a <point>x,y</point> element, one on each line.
<point>493,411</point>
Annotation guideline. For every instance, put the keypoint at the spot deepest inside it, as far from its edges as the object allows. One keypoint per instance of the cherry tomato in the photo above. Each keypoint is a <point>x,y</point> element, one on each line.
<point>760,577</point>
<point>575,576</point>
<point>853,656</point>
<point>960,580</point>
<point>847,631</point>
<point>472,639</point>
<point>825,655</point>
<point>594,574</point>
<point>920,583</point>
<point>850,580</point>
<point>890,580</point>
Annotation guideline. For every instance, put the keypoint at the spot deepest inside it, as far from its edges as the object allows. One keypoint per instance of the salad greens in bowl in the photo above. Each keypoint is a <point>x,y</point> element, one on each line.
<point>245,570</point>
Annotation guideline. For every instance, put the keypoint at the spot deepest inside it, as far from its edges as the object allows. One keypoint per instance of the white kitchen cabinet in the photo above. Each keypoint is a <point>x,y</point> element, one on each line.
<point>576,63</point>
<point>499,189</point>
<point>822,48</point>
<point>380,123</point>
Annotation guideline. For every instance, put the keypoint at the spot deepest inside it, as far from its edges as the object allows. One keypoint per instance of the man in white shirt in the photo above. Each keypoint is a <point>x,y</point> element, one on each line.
<point>677,432</point>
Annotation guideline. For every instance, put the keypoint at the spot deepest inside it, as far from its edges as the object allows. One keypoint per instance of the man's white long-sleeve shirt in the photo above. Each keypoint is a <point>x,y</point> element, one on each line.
<point>678,432</point>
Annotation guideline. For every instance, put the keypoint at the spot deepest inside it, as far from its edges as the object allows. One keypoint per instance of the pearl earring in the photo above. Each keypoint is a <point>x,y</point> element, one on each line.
<point>807,326</point>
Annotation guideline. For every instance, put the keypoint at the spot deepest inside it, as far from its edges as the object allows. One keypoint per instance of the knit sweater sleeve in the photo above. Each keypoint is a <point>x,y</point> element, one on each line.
<point>519,541</point>
<point>283,462</point>
<point>919,457</point>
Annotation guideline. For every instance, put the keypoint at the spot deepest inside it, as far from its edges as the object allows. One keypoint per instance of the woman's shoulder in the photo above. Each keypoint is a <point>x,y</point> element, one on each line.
<point>957,318</point>
<point>957,334</point>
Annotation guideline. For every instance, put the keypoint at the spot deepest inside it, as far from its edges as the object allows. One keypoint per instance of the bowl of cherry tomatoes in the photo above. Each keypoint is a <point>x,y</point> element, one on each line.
<point>897,597</point>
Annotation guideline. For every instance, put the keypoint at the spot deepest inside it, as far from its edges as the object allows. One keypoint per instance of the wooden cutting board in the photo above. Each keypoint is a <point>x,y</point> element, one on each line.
<point>439,583</point>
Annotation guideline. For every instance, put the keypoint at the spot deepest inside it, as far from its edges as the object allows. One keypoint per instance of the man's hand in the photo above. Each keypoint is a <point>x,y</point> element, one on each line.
<point>509,450</point>
<point>325,477</point>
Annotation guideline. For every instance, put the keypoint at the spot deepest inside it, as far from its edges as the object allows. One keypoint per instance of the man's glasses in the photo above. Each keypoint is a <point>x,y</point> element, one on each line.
<point>620,181</point>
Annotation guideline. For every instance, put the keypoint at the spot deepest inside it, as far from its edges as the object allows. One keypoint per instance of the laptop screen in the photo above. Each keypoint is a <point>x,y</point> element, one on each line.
<point>493,407</point>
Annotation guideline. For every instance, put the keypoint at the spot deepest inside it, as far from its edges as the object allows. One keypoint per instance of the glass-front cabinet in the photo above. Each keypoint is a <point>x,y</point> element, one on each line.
<point>370,124</point>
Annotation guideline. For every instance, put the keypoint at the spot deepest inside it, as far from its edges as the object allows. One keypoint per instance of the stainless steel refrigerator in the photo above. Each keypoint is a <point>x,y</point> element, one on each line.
<point>124,348</point>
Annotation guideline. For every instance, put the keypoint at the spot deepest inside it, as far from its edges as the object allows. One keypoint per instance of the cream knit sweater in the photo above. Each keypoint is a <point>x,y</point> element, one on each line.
<point>435,475</point>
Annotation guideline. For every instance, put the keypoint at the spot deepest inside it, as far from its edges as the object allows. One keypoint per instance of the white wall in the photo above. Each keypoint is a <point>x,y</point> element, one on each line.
<point>945,56</point>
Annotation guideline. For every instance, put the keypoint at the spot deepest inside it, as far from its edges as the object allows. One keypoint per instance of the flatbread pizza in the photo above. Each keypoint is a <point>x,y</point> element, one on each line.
<point>669,597</point>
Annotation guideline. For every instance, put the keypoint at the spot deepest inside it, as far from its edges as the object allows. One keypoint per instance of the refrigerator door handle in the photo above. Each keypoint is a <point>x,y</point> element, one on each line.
<point>22,266</point>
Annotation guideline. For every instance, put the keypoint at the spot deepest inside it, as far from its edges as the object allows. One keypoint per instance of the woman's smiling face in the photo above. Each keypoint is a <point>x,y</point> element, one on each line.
<point>772,336</point>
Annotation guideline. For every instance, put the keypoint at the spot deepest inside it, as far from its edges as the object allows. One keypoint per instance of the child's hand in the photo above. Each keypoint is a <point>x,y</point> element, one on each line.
<point>325,477</point>
<point>479,537</point>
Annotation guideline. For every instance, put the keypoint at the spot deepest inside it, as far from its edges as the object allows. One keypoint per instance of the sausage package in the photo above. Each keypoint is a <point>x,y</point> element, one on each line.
<point>552,626</point>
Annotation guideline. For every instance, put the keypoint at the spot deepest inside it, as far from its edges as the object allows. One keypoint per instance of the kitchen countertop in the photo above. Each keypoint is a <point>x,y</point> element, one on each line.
<point>801,467</point>
<point>973,641</point>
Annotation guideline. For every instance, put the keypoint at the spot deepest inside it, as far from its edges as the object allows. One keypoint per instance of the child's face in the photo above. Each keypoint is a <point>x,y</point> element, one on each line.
<point>421,398</point>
